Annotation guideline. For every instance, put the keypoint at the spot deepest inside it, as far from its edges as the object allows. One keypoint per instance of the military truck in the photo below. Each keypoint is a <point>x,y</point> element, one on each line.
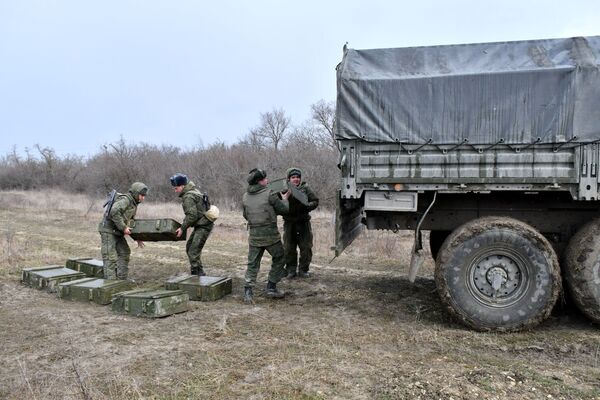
<point>494,149</point>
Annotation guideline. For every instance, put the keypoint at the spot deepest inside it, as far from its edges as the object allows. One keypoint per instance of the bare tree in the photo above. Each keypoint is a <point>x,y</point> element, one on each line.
<point>323,114</point>
<point>49,156</point>
<point>272,127</point>
<point>254,140</point>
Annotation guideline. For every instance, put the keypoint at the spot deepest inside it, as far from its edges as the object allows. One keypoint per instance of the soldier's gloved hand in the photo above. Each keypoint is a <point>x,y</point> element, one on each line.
<point>127,231</point>
<point>141,244</point>
<point>178,232</point>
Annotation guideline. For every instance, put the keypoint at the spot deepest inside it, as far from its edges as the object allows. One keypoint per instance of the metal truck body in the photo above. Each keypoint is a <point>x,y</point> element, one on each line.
<point>493,137</point>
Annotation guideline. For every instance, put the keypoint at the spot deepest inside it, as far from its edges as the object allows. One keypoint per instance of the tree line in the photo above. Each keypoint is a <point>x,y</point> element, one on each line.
<point>220,169</point>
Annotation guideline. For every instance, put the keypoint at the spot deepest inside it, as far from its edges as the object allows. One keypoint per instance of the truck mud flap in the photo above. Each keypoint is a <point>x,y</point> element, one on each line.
<point>348,224</point>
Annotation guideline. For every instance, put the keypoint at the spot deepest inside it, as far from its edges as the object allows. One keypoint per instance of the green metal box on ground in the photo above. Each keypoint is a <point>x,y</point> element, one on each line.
<point>151,303</point>
<point>49,277</point>
<point>89,266</point>
<point>155,230</point>
<point>203,288</point>
<point>99,291</point>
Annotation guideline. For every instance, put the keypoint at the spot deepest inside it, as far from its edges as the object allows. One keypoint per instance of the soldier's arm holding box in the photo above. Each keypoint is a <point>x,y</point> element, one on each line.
<point>117,215</point>
<point>313,200</point>
<point>191,215</point>
<point>281,206</point>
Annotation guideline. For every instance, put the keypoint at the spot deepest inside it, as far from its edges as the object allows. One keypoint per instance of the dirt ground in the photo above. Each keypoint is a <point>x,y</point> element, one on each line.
<point>357,329</point>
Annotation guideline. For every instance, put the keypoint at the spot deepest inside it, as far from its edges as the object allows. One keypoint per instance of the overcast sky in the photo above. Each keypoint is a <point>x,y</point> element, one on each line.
<point>78,74</point>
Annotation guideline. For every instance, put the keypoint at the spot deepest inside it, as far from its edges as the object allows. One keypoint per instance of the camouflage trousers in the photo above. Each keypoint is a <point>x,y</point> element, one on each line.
<point>194,247</point>
<point>297,234</point>
<point>115,256</point>
<point>254,257</point>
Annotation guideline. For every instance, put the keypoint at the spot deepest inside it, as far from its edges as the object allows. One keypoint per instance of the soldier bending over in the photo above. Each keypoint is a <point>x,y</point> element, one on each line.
<point>113,229</point>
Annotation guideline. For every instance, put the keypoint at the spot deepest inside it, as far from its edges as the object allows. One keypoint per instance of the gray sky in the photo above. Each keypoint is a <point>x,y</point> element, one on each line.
<point>78,74</point>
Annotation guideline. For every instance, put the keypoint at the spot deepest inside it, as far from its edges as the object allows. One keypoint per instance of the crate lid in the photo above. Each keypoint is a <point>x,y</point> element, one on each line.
<point>76,282</point>
<point>57,272</point>
<point>149,293</point>
<point>32,269</point>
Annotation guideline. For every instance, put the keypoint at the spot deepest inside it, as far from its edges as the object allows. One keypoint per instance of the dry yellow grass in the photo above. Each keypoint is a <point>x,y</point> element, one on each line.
<point>356,330</point>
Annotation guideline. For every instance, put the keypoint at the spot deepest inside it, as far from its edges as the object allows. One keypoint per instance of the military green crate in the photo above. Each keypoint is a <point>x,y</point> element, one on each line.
<point>279,185</point>
<point>282,185</point>
<point>99,291</point>
<point>155,230</point>
<point>203,288</point>
<point>89,266</point>
<point>49,277</point>
<point>151,303</point>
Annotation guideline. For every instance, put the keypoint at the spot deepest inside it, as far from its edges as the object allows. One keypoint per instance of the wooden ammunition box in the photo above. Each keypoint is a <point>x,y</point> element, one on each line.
<point>150,303</point>
<point>203,288</point>
<point>89,266</point>
<point>155,230</point>
<point>49,277</point>
<point>99,291</point>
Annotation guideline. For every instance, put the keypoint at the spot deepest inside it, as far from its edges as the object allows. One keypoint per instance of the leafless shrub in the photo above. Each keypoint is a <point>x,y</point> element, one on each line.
<point>219,169</point>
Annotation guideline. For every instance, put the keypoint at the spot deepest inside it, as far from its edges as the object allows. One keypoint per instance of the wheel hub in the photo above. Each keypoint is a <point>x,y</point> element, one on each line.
<point>496,278</point>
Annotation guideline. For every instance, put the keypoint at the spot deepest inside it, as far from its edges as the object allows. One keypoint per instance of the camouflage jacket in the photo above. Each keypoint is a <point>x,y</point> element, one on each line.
<point>263,233</point>
<point>298,211</point>
<point>194,208</point>
<point>121,214</point>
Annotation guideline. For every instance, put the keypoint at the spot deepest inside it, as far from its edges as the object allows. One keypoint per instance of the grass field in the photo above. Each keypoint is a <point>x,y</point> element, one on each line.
<point>356,330</point>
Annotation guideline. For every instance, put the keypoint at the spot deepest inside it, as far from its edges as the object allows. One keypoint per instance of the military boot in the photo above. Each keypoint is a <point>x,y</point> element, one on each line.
<point>304,274</point>
<point>291,273</point>
<point>248,298</point>
<point>197,271</point>
<point>272,291</point>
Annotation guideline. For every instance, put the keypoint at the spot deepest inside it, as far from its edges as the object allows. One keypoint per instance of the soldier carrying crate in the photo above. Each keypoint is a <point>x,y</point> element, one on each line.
<point>120,211</point>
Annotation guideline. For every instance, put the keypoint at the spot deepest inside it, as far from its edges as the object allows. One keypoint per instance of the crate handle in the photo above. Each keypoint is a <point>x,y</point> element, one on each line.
<point>157,225</point>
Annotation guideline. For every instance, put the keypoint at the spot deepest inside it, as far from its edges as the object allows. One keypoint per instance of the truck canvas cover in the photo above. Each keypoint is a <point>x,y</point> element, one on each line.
<point>509,92</point>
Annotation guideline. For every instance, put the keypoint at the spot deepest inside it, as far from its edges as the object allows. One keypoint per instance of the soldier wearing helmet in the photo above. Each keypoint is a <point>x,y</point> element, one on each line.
<point>195,206</point>
<point>115,250</point>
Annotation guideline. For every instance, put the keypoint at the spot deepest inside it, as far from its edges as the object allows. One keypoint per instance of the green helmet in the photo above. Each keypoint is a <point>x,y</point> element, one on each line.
<point>138,188</point>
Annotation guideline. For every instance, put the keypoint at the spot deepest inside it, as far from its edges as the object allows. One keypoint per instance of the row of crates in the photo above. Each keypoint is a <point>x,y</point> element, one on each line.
<point>81,280</point>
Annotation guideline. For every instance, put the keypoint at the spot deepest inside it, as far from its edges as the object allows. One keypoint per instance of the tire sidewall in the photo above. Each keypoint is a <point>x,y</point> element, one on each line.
<point>535,256</point>
<point>582,269</point>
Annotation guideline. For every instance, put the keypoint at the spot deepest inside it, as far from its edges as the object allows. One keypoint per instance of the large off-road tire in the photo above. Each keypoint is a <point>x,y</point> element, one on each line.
<point>498,274</point>
<point>582,269</point>
<point>436,239</point>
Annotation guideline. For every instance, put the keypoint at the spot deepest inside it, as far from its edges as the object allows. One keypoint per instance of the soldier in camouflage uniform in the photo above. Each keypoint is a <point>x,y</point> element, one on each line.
<point>261,207</point>
<point>113,229</point>
<point>195,205</point>
<point>297,231</point>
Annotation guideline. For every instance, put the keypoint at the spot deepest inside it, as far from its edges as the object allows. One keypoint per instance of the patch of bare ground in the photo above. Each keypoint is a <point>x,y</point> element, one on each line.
<point>357,329</point>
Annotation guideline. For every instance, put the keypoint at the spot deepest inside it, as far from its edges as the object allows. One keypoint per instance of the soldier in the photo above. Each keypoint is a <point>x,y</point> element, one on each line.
<point>114,228</point>
<point>261,207</point>
<point>297,231</point>
<point>195,205</point>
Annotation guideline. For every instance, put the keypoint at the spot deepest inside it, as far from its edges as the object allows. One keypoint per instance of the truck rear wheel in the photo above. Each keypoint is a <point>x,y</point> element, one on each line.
<point>582,269</point>
<point>498,274</point>
<point>436,239</point>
